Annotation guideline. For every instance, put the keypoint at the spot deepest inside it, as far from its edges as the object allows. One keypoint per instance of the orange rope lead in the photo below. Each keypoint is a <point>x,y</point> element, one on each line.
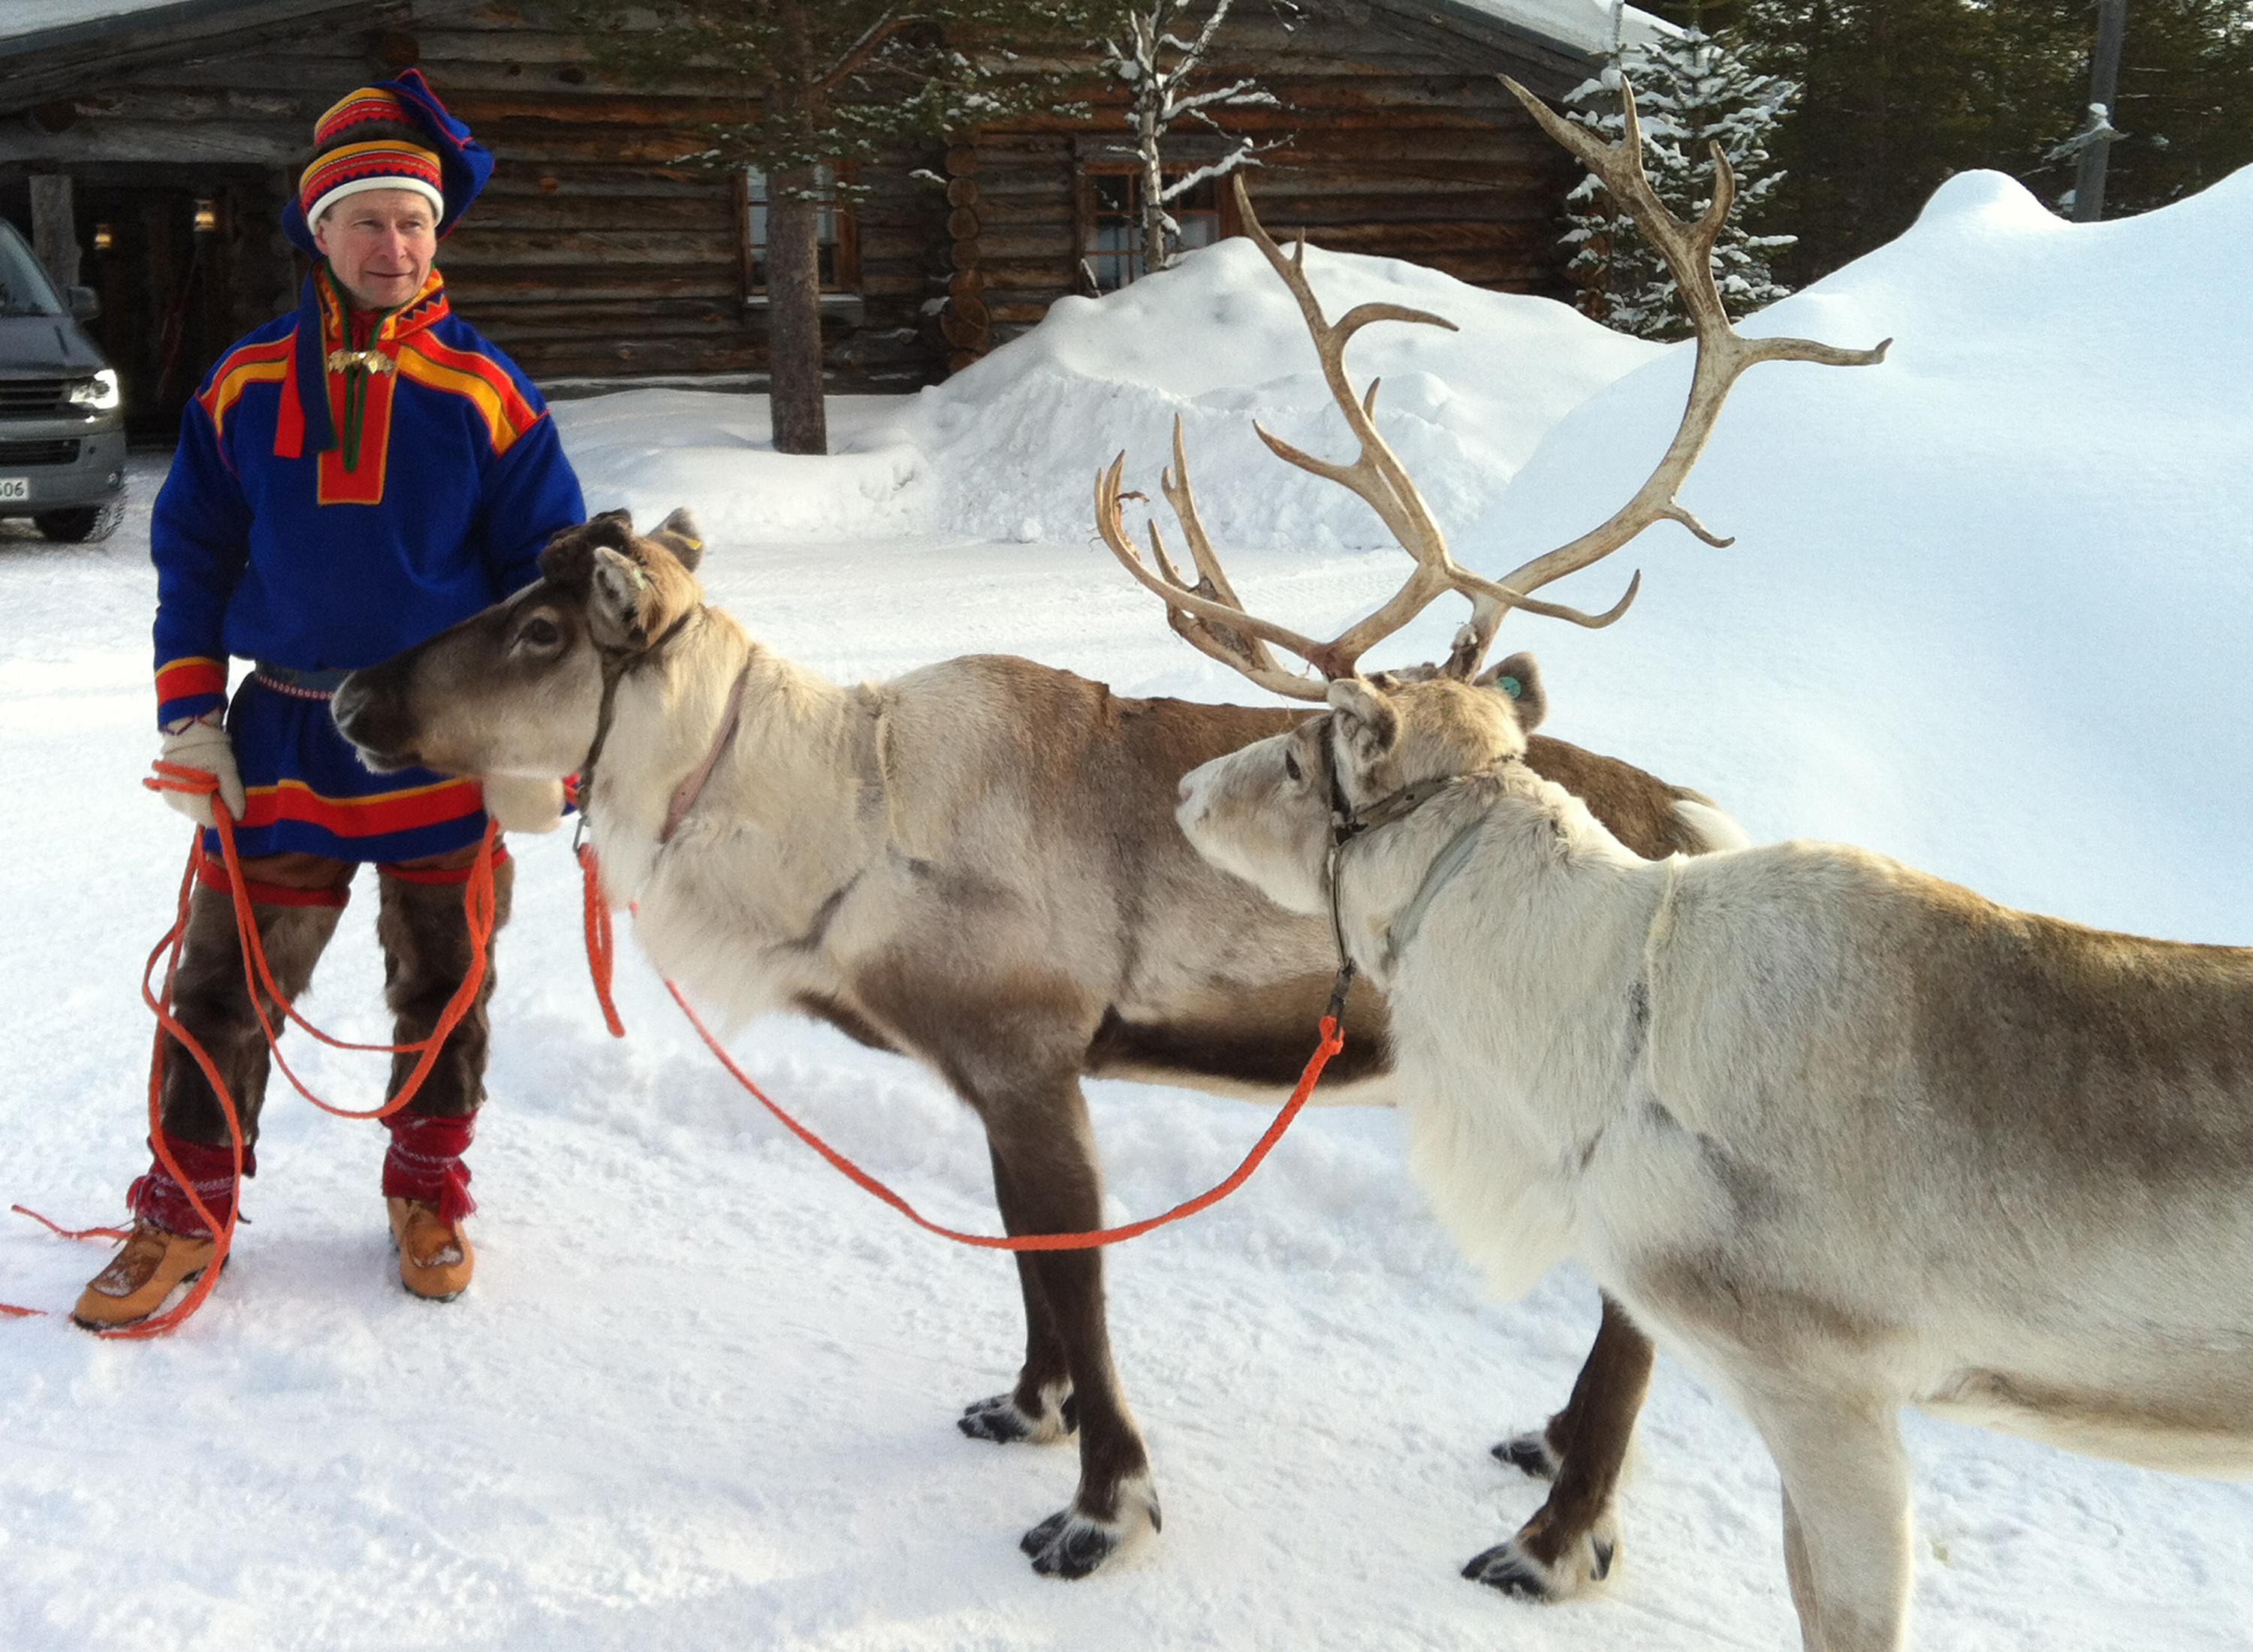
<point>1332,1042</point>
<point>71,1233</point>
<point>601,945</point>
<point>477,897</point>
<point>10,1308</point>
<point>601,958</point>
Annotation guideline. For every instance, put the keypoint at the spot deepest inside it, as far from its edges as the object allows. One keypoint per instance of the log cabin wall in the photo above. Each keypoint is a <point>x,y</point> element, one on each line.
<point>595,258</point>
<point>591,257</point>
<point>1396,139</point>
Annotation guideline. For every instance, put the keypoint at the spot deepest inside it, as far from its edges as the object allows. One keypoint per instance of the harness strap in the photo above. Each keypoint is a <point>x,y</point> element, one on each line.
<point>1410,918</point>
<point>616,663</point>
<point>685,794</point>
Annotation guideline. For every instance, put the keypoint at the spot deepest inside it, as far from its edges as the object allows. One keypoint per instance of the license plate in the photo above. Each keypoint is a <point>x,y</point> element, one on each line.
<point>15,487</point>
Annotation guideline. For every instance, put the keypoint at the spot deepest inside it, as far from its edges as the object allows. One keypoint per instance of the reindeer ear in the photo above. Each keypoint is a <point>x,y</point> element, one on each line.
<point>1519,677</point>
<point>621,599</point>
<point>1372,725</point>
<point>680,534</point>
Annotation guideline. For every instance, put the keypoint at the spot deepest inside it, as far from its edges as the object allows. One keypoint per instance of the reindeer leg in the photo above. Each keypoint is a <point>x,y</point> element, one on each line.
<point>1568,1547</point>
<point>1846,1538</point>
<point>1040,1409</point>
<point>1046,1181</point>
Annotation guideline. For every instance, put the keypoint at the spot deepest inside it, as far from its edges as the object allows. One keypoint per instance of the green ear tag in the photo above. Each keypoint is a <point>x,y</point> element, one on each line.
<point>1511,686</point>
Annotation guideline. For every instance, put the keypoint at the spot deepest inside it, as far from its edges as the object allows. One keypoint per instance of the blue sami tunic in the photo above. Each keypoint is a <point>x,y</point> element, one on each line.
<point>443,482</point>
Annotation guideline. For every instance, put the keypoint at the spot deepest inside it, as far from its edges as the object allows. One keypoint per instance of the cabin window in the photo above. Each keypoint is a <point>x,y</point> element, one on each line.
<point>1111,222</point>
<point>840,262</point>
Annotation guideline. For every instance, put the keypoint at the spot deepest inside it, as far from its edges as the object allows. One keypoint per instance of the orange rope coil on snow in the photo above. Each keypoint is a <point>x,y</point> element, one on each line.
<point>477,896</point>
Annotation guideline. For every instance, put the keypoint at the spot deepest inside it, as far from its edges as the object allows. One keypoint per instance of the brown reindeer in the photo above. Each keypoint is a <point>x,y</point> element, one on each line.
<point>975,865</point>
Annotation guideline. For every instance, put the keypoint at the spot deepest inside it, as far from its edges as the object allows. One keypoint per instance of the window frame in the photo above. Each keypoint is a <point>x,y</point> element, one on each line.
<point>1087,216</point>
<point>845,262</point>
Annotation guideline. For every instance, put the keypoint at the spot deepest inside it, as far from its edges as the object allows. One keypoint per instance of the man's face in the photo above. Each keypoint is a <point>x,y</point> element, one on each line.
<point>379,242</point>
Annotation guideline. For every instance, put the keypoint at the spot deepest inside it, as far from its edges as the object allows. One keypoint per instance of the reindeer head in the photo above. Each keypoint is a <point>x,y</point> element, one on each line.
<point>1267,812</point>
<point>518,689</point>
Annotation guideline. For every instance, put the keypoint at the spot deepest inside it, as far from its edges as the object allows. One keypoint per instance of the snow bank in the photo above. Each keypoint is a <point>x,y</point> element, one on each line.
<point>1016,441</point>
<point>1009,449</point>
<point>647,451</point>
<point>1987,607</point>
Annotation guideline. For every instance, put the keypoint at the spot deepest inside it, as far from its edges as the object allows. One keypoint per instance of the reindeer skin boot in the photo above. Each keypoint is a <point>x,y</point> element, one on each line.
<point>171,1244</point>
<point>424,929</point>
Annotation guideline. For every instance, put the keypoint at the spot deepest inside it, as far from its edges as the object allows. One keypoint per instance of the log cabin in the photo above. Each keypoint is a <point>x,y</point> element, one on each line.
<point>147,147</point>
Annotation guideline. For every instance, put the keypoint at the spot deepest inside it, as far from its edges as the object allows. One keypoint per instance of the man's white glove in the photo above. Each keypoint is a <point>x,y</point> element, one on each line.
<point>203,744</point>
<point>524,805</point>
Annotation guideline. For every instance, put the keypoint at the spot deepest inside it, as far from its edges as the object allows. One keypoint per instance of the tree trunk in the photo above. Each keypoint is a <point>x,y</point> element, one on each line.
<point>1154,189</point>
<point>794,315</point>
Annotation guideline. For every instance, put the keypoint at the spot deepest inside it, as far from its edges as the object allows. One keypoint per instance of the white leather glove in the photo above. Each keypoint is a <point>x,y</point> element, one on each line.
<point>203,744</point>
<point>524,805</point>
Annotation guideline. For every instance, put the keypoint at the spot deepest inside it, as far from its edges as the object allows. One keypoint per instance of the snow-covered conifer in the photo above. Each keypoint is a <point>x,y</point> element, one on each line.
<point>1690,88</point>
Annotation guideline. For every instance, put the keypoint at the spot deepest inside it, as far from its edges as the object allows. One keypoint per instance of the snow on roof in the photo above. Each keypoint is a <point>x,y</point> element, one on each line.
<point>1585,25</point>
<point>22,18</point>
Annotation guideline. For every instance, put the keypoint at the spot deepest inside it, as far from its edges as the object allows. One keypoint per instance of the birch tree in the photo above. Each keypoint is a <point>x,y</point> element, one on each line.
<point>1159,51</point>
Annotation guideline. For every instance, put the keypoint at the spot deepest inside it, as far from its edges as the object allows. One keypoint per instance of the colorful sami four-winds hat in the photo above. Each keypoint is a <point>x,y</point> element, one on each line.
<point>449,172</point>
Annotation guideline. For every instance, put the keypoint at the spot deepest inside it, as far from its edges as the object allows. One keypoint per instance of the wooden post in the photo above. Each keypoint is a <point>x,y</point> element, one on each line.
<point>2103,92</point>
<point>54,230</point>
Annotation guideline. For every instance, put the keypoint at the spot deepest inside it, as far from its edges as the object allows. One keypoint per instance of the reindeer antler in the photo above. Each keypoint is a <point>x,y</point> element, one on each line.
<point>1723,354</point>
<point>1208,615</point>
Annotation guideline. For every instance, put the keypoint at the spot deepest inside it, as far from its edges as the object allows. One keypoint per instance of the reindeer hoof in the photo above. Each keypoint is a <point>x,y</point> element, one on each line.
<point>1071,1544</point>
<point>1531,1454</point>
<point>1003,1421</point>
<point>1513,1568</point>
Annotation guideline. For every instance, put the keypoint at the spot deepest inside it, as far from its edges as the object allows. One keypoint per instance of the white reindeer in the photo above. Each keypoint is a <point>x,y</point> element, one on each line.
<point>1841,1136</point>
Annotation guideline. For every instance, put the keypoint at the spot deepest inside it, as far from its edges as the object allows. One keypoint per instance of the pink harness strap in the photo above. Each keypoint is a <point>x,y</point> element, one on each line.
<point>685,794</point>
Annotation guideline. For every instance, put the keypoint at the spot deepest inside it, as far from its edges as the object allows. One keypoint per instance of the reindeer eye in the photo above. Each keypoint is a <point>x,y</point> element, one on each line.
<point>1291,765</point>
<point>540,632</point>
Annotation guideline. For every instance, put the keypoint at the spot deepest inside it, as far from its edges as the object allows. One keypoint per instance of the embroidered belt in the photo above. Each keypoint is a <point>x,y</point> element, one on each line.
<point>305,685</point>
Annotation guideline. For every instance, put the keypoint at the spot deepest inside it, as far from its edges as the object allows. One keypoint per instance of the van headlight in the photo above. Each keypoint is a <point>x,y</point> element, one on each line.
<point>97,394</point>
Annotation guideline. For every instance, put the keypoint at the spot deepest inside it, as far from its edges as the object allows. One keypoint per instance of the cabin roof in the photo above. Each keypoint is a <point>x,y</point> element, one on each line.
<point>1581,27</point>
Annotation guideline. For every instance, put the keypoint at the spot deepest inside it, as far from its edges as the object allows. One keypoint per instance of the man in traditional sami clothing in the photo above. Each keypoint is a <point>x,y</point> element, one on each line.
<point>351,478</point>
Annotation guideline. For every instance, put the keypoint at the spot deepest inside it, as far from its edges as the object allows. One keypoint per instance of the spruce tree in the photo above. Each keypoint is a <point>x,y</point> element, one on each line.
<point>1692,90</point>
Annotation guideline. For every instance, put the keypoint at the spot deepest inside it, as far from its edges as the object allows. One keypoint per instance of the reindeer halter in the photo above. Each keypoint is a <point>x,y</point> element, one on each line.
<point>1349,824</point>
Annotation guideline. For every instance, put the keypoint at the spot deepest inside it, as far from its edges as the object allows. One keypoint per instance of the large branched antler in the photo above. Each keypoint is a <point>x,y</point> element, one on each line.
<point>1723,354</point>
<point>1208,614</point>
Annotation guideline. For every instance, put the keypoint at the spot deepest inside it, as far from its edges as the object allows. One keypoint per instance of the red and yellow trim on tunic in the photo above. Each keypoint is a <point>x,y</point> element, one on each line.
<point>253,364</point>
<point>376,815</point>
<point>483,382</point>
<point>179,679</point>
<point>364,484</point>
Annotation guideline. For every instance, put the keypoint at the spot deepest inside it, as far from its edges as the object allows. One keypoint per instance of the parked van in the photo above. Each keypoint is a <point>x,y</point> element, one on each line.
<point>62,421</point>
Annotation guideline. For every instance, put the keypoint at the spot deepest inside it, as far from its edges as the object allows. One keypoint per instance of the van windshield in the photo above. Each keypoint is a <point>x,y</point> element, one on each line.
<point>24,289</point>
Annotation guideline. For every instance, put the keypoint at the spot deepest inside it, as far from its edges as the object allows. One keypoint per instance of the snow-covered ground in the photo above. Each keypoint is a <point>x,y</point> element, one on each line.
<point>1984,611</point>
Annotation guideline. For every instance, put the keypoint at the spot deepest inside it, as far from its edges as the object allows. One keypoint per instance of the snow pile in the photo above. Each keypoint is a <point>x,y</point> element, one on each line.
<point>1016,439</point>
<point>1987,607</point>
<point>647,451</point>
